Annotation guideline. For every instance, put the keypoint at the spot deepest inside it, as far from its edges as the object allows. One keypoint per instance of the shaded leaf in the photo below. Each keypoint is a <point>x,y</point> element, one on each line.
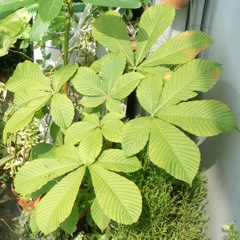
<point>78,131</point>
<point>115,160</point>
<point>62,75</point>
<point>69,225</point>
<point>149,92</point>
<point>135,135</point>
<point>125,84</point>
<point>99,216</point>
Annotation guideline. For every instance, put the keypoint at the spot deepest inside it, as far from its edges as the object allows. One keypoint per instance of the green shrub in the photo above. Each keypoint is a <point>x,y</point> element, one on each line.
<point>171,209</point>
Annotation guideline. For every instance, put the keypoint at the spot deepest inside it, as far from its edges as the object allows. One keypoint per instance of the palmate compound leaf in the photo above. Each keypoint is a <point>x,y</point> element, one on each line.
<point>110,30</point>
<point>180,49</point>
<point>37,173</point>
<point>115,160</point>
<point>57,204</point>
<point>152,24</point>
<point>99,216</point>
<point>171,150</point>
<point>28,76</point>
<point>195,76</point>
<point>201,118</point>
<point>62,110</point>
<point>135,135</point>
<point>118,197</point>
<point>23,116</point>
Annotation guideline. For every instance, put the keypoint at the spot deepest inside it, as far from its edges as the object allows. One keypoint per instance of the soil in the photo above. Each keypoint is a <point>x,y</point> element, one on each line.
<point>9,213</point>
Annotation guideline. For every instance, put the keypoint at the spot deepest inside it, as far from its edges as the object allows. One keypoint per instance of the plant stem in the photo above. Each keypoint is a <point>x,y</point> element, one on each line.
<point>66,39</point>
<point>67,31</point>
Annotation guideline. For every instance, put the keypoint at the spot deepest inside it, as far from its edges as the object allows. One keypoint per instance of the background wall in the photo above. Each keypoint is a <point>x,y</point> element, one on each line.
<point>221,154</point>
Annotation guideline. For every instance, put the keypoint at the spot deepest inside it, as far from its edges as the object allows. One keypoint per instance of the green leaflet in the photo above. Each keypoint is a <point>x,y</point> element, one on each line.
<point>172,150</point>
<point>62,110</point>
<point>98,216</point>
<point>32,223</point>
<point>23,97</point>
<point>124,85</point>
<point>87,82</point>
<point>202,118</point>
<point>57,204</point>
<point>110,31</point>
<point>123,202</point>
<point>149,92</point>
<point>112,67</point>
<point>69,225</point>
<point>34,175</point>
<point>78,131</point>
<point>90,146</point>
<point>23,116</point>
<point>11,28</point>
<point>152,24</point>
<point>62,75</point>
<point>116,3</point>
<point>49,9</point>
<point>114,105</point>
<point>8,5</point>
<point>38,29</point>
<point>180,49</point>
<point>112,130</point>
<point>67,152</point>
<point>32,78</point>
<point>195,76</point>
<point>115,160</point>
<point>135,135</point>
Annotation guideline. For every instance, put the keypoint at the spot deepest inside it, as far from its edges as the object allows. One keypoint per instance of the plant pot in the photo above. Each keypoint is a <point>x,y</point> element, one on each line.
<point>25,205</point>
<point>178,4</point>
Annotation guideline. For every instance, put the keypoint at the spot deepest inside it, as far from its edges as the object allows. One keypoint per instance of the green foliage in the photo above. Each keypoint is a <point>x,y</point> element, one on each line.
<point>231,231</point>
<point>95,154</point>
<point>171,209</point>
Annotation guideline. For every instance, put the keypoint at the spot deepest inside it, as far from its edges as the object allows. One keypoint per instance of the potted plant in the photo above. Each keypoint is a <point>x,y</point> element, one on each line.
<point>178,4</point>
<point>95,147</point>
